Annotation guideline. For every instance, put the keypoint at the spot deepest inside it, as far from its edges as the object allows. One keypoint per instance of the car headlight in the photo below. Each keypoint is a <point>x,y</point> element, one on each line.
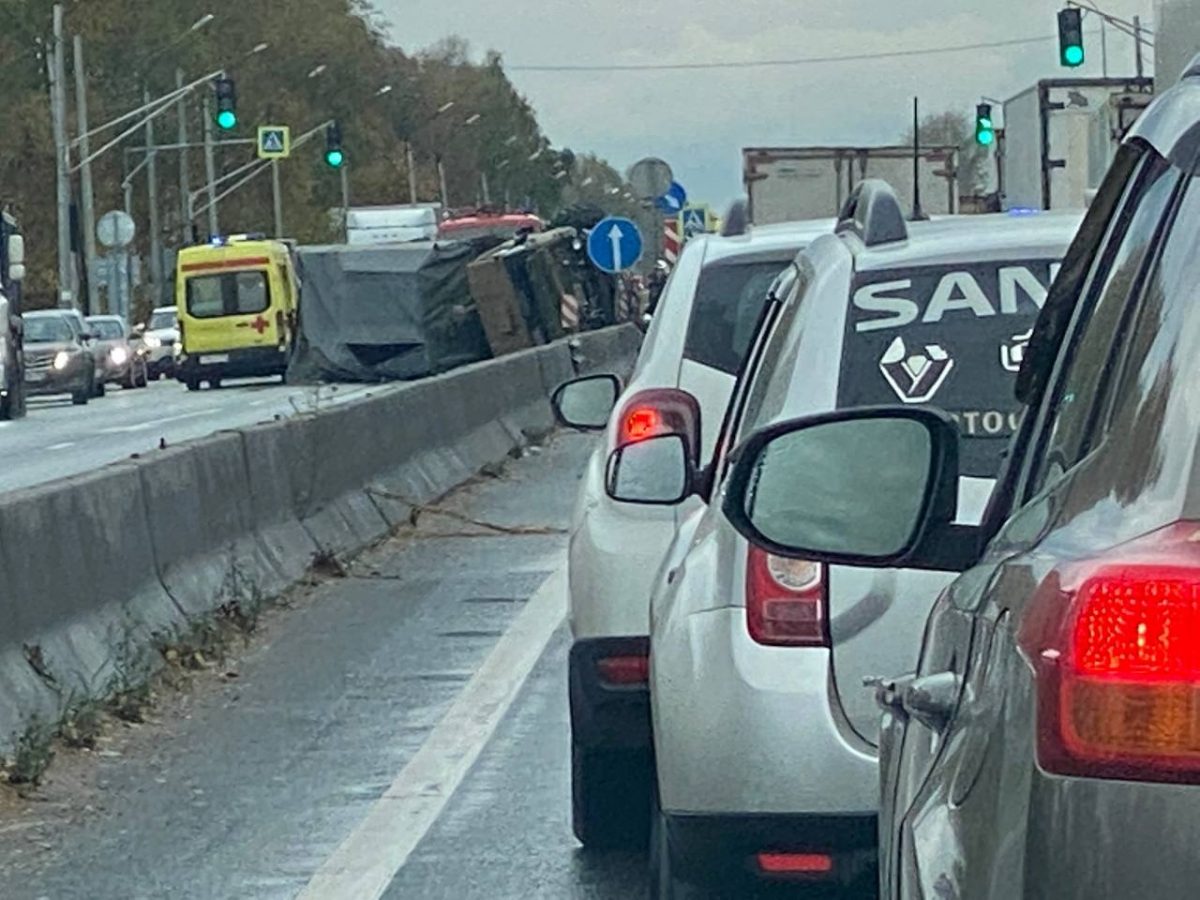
<point>119,356</point>
<point>152,341</point>
<point>61,360</point>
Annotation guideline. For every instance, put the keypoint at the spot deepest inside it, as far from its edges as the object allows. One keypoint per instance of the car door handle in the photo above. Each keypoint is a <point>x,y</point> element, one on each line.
<point>889,691</point>
<point>932,700</point>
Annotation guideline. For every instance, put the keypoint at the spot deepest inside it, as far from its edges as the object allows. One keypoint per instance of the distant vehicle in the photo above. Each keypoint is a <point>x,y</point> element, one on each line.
<point>161,338</point>
<point>57,361</point>
<point>123,358</point>
<point>1061,135</point>
<point>392,224</point>
<point>237,301</point>
<point>12,357</point>
<point>465,227</point>
<point>689,361</point>
<point>788,184</point>
<point>83,332</point>
<point>765,739</point>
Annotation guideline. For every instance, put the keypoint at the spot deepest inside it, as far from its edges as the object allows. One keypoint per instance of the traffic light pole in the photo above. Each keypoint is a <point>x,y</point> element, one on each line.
<point>185,223</point>
<point>277,197</point>
<point>210,167</point>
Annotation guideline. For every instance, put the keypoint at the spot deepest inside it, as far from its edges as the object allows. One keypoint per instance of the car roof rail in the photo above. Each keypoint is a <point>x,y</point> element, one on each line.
<point>737,220</point>
<point>873,213</point>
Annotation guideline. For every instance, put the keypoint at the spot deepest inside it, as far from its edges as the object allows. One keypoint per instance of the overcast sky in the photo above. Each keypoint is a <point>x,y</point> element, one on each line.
<point>699,121</point>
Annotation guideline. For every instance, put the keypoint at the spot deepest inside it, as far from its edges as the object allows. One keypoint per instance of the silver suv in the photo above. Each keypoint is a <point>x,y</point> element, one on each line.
<point>765,738</point>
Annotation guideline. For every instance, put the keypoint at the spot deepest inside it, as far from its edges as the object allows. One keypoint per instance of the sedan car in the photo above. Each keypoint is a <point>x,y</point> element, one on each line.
<point>1046,745</point>
<point>689,361</point>
<point>161,337</point>
<point>56,359</point>
<point>765,739</point>
<point>122,357</point>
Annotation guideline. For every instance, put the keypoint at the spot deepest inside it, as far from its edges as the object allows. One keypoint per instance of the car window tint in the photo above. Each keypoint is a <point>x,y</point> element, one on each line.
<point>729,299</point>
<point>1101,332</point>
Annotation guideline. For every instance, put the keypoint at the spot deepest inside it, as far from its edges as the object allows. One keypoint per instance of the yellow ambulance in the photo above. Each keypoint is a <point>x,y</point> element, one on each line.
<point>237,300</point>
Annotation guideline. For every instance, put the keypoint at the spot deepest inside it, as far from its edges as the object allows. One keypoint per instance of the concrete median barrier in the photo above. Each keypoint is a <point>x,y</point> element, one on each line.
<point>98,570</point>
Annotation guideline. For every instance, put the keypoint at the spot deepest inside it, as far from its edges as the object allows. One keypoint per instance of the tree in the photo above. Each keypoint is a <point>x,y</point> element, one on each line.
<point>957,129</point>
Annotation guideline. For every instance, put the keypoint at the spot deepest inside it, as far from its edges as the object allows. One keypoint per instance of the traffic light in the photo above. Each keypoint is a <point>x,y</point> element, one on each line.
<point>985,128</point>
<point>1070,38</point>
<point>335,158</point>
<point>226,104</point>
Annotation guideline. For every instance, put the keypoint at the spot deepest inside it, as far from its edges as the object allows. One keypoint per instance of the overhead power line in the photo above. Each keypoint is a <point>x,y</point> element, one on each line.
<point>769,63</point>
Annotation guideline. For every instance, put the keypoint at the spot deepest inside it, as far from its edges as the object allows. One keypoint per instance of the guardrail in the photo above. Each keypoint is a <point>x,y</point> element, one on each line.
<point>97,570</point>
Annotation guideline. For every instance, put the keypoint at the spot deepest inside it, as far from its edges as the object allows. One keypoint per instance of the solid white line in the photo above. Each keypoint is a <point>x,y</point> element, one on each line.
<point>63,446</point>
<point>368,860</point>
<point>154,423</point>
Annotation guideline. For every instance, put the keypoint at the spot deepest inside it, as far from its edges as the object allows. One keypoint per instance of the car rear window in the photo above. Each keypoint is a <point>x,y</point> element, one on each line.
<point>949,337</point>
<point>107,330</point>
<point>729,298</point>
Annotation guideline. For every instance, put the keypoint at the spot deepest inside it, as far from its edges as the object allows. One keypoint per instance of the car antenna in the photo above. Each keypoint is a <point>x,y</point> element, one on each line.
<point>918,214</point>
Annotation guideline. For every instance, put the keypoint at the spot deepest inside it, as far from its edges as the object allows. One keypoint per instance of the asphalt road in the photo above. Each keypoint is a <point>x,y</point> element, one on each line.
<point>403,727</point>
<point>57,439</point>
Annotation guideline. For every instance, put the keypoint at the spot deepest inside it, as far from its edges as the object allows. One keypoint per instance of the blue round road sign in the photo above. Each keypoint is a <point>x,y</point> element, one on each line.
<point>615,245</point>
<point>673,200</point>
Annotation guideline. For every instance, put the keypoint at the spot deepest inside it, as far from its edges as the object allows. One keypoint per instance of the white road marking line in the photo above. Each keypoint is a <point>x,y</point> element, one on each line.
<point>63,446</point>
<point>365,864</point>
<point>146,426</point>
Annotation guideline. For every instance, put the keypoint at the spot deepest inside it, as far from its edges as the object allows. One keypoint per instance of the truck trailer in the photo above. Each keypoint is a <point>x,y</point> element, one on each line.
<point>789,184</point>
<point>1060,136</point>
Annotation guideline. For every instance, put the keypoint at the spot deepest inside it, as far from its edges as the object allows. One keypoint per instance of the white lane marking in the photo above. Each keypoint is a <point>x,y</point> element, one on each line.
<point>155,423</point>
<point>63,446</point>
<point>365,864</point>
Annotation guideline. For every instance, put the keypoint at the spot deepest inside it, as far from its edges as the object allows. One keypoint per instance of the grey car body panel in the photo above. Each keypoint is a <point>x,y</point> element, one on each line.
<point>968,812</point>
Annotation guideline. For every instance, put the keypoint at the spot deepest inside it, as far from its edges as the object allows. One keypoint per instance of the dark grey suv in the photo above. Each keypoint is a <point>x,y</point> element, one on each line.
<point>57,358</point>
<point>1048,746</point>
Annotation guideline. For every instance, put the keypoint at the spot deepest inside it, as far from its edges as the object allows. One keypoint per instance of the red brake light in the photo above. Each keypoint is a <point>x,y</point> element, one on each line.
<point>795,863</point>
<point>1115,644</point>
<point>785,600</point>
<point>624,669</point>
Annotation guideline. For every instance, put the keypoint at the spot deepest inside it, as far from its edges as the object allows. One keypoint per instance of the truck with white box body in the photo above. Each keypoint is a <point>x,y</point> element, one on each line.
<point>792,184</point>
<point>1060,136</point>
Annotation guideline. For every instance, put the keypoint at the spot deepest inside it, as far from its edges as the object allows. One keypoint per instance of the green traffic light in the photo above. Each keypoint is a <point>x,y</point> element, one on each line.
<point>1073,55</point>
<point>227,119</point>
<point>986,138</point>
<point>335,158</point>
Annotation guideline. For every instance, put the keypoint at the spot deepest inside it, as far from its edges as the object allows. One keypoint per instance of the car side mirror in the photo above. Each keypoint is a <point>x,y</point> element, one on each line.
<point>872,487</point>
<point>586,403</point>
<point>87,336</point>
<point>139,329</point>
<point>654,472</point>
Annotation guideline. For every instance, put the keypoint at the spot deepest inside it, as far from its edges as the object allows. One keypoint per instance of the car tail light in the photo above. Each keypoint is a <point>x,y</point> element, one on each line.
<point>1115,645</point>
<point>656,412</point>
<point>795,863</point>
<point>785,600</point>
<point>621,670</point>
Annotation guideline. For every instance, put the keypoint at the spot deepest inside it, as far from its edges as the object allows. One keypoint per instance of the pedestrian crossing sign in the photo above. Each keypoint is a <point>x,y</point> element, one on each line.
<point>694,221</point>
<point>274,141</point>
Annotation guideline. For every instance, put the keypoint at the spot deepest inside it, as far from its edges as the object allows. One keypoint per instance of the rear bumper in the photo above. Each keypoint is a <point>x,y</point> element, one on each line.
<point>744,729</point>
<point>44,384</point>
<point>247,362</point>
<point>724,849</point>
<point>607,716</point>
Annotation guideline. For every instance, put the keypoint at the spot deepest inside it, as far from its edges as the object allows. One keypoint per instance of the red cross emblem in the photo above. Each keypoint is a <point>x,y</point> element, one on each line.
<point>260,325</point>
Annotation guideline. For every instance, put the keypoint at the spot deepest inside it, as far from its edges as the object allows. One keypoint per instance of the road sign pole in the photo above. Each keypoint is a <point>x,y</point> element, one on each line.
<point>412,173</point>
<point>277,197</point>
<point>87,205</point>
